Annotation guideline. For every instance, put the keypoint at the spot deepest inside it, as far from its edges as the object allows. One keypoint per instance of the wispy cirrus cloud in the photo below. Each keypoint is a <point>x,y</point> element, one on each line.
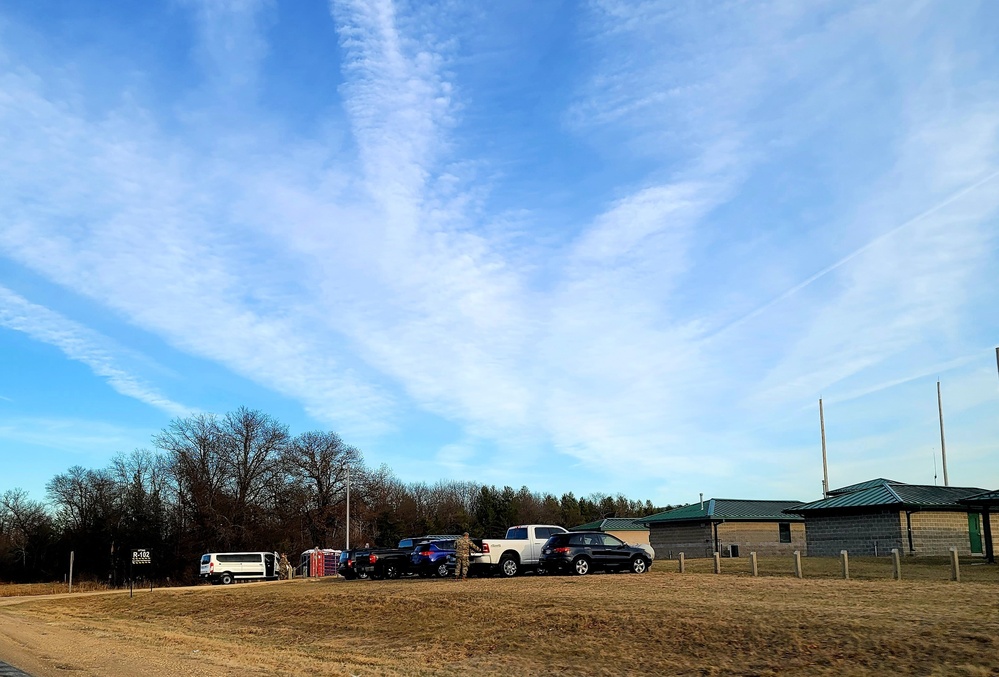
<point>83,345</point>
<point>138,221</point>
<point>757,174</point>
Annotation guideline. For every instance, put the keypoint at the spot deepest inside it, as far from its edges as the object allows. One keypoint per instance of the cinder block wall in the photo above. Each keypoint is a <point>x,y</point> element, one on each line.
<point>827,535</point>
<point>693,540</point>
<point>934,533</point>
<point>761,537</point>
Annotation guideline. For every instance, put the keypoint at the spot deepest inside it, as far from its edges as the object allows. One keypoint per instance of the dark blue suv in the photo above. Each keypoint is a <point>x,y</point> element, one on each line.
<point>430,559</point>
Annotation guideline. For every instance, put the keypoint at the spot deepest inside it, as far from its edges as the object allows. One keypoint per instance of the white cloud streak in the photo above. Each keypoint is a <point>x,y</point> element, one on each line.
<point>83,345</point>
<point>356,273</point>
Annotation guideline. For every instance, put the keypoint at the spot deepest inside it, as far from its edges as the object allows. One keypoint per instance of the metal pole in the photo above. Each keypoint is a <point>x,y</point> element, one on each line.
<point>943,447</point>
<point>72,553</point>
<point>348,508</point>
<point>825,465</point>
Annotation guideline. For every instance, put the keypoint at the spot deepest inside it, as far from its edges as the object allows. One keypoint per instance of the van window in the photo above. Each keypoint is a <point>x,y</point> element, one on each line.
<point>239,557</point>
<point>205,559</point>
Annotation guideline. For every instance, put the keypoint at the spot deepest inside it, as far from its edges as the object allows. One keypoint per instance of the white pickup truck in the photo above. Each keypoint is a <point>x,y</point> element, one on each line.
<point>516,553</point>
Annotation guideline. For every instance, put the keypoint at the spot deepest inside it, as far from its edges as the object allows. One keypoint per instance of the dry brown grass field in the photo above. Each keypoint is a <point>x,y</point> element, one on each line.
<point>25,589</point>
<point>661,623</point>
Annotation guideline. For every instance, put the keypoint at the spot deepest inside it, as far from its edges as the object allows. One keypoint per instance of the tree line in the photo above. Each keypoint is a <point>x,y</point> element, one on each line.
<point>241,481</point>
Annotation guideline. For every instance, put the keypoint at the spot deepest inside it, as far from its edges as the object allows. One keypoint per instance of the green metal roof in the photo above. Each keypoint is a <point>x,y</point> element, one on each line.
<point>889,493</point>
<point>859,486</point>
<point>727,510</point>
<point>988,498</point>
<point>611,524</point>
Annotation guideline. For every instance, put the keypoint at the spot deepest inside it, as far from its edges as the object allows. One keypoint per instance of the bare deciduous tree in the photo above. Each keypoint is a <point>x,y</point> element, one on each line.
<point>318,462</point>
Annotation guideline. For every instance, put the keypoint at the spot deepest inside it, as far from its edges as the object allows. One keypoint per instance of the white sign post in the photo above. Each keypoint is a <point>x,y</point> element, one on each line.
<point>139,556</point>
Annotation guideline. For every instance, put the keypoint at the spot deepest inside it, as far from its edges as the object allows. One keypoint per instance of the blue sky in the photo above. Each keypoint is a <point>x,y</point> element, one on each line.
<point>606,246</point>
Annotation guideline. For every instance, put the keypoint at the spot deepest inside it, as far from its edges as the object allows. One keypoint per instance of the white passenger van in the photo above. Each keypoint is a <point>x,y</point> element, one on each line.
<point>229,567</point>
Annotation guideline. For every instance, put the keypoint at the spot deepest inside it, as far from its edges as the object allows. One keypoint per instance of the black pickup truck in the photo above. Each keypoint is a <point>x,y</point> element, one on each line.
<point>381,563</point>
<point>393,562</point>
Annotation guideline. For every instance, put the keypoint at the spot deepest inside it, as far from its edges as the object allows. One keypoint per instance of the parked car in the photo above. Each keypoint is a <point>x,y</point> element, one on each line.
<point>347,567</point>
<point>582,552</point>
<point>431,559</point>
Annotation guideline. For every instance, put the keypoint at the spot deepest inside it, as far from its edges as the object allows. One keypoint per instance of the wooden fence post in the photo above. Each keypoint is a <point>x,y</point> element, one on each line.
<point>683,565</point>
<point>897,562</point>
<point>752,564</point>
<point>717,562</point>
<point>955,566</point>
<point>845,558</point>
<point>797,564</point>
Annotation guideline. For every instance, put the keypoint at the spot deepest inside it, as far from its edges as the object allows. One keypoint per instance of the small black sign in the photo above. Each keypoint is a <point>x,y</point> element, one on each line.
<point>141,557</point>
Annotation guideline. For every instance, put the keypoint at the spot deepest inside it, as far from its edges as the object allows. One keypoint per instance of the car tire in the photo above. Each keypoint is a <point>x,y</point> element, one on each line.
<point>362,576</point>
<point>226,579</point>
<point>639,565</point>
<point>581,566</point>
<point>442,571</point>
<point>391,571</point>
<point>509,566</point>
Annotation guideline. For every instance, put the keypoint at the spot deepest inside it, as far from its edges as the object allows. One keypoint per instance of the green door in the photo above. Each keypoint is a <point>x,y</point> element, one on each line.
<point>975,531</point>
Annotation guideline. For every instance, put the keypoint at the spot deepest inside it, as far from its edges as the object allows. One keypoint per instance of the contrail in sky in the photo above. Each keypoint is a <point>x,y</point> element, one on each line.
<point>854,254</point>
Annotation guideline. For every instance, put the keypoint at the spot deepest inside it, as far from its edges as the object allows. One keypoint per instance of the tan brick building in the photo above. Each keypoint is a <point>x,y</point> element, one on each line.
<point>874,517</point>
<point>732,527</point>
<point>627,529</point>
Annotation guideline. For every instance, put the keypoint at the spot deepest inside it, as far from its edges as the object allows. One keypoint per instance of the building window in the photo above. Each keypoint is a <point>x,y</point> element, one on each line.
<point>785,531</point>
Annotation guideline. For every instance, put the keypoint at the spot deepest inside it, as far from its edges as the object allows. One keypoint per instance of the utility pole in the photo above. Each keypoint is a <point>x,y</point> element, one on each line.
<point>943,447</point>
<point>348,508</point>
<point>825,464</point>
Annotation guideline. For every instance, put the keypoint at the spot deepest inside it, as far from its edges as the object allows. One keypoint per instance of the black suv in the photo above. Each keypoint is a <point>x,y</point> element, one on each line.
<point>581,552</point>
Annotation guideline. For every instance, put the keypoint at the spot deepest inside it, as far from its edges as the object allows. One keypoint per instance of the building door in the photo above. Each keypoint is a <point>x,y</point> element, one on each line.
<point>975,532</point>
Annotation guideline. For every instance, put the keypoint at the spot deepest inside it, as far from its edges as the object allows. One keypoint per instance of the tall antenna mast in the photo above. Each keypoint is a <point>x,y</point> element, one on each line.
<point>825,464</point>
<point>348,507</point>
<point>943,447</point>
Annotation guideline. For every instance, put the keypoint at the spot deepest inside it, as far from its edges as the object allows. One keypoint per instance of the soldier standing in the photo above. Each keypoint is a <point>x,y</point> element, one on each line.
<point>462,549</point>
<point>284,567</point>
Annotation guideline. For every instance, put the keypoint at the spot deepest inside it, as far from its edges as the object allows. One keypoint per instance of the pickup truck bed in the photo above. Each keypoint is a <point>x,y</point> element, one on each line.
<point>515,554</point>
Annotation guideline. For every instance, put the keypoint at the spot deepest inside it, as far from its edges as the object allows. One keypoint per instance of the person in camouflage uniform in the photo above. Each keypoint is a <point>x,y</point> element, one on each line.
<point>284,567</point>
<point>462,549</point>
